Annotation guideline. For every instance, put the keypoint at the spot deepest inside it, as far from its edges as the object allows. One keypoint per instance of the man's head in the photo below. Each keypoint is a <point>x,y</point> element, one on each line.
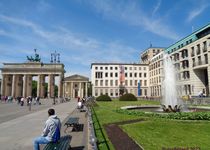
<point>51,112</point>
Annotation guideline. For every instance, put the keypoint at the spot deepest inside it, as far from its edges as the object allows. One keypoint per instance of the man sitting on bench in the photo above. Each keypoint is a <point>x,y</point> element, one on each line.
<point>51,131</point>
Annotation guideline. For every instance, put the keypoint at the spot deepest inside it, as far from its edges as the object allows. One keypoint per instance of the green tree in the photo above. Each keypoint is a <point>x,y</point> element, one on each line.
<point>34,88</point>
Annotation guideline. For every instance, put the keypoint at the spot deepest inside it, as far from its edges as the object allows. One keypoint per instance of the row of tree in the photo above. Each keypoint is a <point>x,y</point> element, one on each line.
<point>34,89</point>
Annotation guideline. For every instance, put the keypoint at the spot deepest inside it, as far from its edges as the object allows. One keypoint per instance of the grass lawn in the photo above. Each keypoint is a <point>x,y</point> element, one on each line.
<point>153,133</point>
<point>158,134</point>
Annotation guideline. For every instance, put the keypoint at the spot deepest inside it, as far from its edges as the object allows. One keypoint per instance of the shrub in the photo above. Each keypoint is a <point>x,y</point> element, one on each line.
<point>104,98</point>
<point>128,97</point>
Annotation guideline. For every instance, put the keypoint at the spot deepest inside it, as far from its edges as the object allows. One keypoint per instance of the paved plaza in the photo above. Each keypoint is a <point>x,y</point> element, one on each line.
<point>19,126</point>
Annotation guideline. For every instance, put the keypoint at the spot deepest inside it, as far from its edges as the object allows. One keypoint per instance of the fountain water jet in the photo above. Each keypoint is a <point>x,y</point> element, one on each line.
<point>169,92</point>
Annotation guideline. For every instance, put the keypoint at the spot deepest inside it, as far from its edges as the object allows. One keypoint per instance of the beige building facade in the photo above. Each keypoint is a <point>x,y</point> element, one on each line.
<point>191,57</point>
<point>156,75</point>
<point>17,78</point>
<point>75,86</point>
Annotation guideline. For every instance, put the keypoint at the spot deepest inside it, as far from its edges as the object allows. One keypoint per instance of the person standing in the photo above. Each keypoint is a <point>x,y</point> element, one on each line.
<point>51,130</point>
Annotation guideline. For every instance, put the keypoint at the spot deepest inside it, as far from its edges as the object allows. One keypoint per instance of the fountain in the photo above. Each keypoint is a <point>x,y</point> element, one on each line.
<point>170,101</point>
<point>169,92</point>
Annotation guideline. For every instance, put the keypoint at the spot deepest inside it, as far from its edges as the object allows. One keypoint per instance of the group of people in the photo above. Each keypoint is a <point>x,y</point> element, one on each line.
<point>80,102</point>
<point>29,100</point>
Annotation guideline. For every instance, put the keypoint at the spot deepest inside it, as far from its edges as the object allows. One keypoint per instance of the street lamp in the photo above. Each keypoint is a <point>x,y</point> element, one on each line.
<point>55,58</point>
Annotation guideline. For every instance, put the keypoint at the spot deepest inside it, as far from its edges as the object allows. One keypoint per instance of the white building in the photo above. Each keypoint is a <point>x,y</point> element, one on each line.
<point>191,58</point>
<point>107,79</point>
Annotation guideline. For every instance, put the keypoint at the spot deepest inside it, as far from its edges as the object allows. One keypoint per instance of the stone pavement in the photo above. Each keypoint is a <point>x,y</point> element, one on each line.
<point>18,134</point>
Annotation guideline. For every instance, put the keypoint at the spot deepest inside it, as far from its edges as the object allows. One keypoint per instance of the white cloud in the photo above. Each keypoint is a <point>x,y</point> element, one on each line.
<point>197,11</point>
<point>156,8</point>
<point>76,48</point>
<point>130,13</point>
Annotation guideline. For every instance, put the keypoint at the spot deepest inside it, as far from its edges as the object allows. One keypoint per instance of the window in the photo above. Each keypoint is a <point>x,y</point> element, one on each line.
<point>106,91</point>
<point>111,92</point>
<point>206,58</point>
<point>106,74</point>
<point>145,92</point>
<point>145,75</point>
<point>101,91</point>
<point>131,83</point>
<point>106,68</point>
<point>130,68</point>
<point>135,74</point>
<point>126,74</point>
<point>199,60</point>
<point>111,74</point>
<point>130,74</point>
<point>139,68</point>
<point>101,68</point>
<point>101,83</point>
<point>144,68</point>
<point>140,75</point>
<point>96,90</point>
<point>136,82</point>
<point>126,68</point>
<point>116,75</point>
<point>96,83</point>
<point>111,68</point>
<point>111,82</point>
<point>96,68</point>
<point>134,68</point>
<point>99,74</point>
<point>145,82</point>
<point>106,82</point>
<point>116,82</point>
<point>126,82</point>
<point>115,68</point>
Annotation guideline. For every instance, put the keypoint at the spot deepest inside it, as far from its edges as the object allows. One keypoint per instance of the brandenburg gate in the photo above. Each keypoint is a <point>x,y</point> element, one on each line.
<point>17,78</point>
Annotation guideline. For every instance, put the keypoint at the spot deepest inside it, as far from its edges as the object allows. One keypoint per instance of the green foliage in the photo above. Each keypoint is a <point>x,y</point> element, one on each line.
<point>34,88</point>
<point>128,97</point>
<point>104,98</point>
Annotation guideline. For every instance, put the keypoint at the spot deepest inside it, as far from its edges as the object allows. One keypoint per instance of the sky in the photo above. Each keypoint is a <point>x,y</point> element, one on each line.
<point>89,31</point>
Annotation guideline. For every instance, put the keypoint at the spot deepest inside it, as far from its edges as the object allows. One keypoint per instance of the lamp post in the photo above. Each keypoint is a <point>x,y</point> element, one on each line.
<point>55,58</point>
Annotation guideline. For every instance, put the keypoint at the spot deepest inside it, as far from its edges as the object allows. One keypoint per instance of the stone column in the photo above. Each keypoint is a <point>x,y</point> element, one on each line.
<point>29,85</point>
<point>60,86</point>
<point>80,90</point>
<point>40,85</point>
<point>42,89</point>
<point>24,85</point>
<point>86,89</point>
<point>13,85</point>
<point>71,90</point>
<point>2,85</point>
<point>50,86</point>
<point>64,89</point>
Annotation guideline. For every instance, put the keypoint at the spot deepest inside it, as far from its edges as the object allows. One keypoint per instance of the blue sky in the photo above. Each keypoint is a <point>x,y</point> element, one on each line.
<point>86,31</point>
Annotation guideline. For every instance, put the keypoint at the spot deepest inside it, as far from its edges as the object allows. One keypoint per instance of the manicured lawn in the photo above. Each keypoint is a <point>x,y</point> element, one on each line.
<point>154,133</point>
<point>106,114</point>
<point>158,134</point>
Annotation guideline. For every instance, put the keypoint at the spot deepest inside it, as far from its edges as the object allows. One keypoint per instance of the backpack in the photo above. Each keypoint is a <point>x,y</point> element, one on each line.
<point>56,135</point>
